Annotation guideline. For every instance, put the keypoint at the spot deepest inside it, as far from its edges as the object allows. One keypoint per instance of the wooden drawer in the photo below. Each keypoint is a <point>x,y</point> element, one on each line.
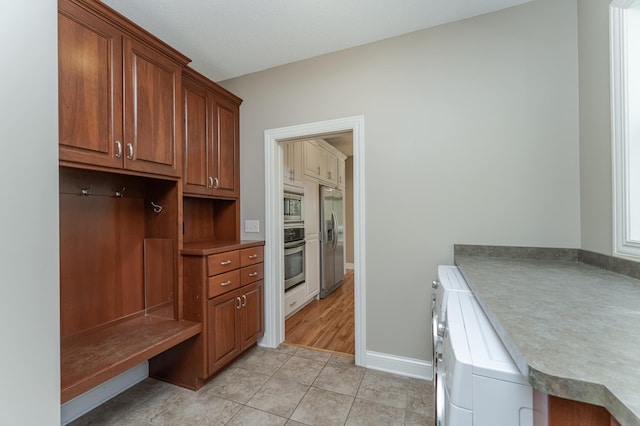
<point>251,256</point>
<point>294,299</point>
<point>251,273</point>
<point>222,283</point>
<point>223,262</point>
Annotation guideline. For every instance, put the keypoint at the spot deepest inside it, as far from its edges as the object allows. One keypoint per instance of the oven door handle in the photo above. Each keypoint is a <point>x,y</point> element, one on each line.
<point>294,244</point>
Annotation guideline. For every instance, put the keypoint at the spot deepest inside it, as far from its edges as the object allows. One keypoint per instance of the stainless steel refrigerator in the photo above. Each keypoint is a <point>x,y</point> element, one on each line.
<point>331,240</point>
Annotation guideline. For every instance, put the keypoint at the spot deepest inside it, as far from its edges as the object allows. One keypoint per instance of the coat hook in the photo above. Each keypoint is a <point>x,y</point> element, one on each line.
<point>86,191</point>
<point>120,193</point>
<point>156,207</point>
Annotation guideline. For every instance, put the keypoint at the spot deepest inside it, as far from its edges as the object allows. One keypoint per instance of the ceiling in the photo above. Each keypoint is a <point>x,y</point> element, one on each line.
<point>230,38</point>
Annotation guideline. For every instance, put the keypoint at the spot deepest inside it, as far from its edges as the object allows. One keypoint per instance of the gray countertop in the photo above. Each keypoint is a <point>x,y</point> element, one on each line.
<point>572,328</point>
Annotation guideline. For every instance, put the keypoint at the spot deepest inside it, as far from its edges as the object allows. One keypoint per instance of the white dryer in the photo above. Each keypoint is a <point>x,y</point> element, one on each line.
<point>449,280</point>
<point>477,382</point>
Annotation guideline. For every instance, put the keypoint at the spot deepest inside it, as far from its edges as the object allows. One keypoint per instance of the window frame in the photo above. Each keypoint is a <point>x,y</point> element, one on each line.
<point>624,245</point>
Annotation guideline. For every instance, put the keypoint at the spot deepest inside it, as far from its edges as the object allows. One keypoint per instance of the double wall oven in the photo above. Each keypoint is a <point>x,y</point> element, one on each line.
<point>294,243</point>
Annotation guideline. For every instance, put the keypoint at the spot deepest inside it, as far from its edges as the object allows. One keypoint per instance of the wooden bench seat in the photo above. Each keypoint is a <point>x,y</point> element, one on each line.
<point>89,359</point>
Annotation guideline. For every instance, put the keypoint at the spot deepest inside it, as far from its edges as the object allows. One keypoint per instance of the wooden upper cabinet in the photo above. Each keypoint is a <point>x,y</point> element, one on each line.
<point>212,150</point>
<point>120,92</point>
<point>152,110</point>
<point>90,87</point>
<point>198,152</point>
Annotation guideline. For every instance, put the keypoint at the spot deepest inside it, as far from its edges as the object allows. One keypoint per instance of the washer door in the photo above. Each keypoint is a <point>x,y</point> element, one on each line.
<point>439,400</point>
<point>434,336</point>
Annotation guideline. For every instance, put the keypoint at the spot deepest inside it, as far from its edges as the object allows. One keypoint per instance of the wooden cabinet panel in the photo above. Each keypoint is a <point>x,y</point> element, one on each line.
<point>222,283</point>
<point>211,162</point>
<point>90,89</point>
<point>226,154</point>
<point>224,329</point>
<point>152,117</point>
<point>223,262</point>
<point>198,155</point>
<point>550,410</point>
<point>251,273</point>
<point>251,256</point>
<point>252,313</point>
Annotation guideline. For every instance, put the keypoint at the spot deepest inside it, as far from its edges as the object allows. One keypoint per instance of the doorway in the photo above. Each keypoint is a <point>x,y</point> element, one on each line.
<point>274,287</point>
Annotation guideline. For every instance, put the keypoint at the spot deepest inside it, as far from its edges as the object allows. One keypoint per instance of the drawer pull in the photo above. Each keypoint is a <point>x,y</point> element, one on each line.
<point>238,303</point>
<point>253,274</point>
<point>226,283</point>
<point>253,256</point>
<point>225,262</point>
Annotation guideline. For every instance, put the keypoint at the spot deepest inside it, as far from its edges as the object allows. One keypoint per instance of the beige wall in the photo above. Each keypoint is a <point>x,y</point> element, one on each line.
<point>471,136</point>
<point>595,127</point>
<point>29,256</point>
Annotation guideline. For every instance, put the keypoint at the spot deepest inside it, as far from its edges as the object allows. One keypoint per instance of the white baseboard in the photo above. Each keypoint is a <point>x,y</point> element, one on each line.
<point>82,404</point>
<point>399,365</point>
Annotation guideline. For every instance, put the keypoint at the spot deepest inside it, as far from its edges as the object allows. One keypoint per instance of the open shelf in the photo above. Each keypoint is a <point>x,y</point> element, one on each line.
<point>89,359</point>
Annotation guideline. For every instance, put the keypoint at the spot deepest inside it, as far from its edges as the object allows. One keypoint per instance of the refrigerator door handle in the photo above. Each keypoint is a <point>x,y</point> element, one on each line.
<point>334,225</point>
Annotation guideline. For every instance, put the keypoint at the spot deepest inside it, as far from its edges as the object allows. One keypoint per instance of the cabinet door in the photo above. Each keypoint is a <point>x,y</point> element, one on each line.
<point>311,159</point>
<point>226,155</point>
<point>152,123</point>
<point>252,321</point>
<point>224,328</point>
<point>90,88</point>
<point>332,168</point>
<point>296,154</point>
<point>198,152</point>
<point>341,173</point>
<point>312,267</point>
<point>287,164</point>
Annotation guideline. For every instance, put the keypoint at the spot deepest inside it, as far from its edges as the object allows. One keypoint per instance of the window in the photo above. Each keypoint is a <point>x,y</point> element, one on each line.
<point>625,110</point>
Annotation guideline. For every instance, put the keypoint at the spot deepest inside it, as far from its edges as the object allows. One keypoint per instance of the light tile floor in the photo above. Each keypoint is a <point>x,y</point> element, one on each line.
<point>283,386</point>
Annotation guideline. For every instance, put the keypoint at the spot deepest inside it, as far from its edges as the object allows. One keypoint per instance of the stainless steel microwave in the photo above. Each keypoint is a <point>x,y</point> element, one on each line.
<point>292,211</point>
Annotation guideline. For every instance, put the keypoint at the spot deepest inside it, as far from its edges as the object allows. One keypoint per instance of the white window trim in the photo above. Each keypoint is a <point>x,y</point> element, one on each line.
<point>623,244</point>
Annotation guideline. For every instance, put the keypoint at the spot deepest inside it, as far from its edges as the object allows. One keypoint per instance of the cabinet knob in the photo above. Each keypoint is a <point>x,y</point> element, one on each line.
<point>210,180</point>
<point>118,149</point>
<point>238,303</point>
<point>253,274</point>
<point>129,151</point>
<point>216,183</point>
<point>225,262</point>
<point>244,300</point>
<point>226,283</point>
<point>253,256</point>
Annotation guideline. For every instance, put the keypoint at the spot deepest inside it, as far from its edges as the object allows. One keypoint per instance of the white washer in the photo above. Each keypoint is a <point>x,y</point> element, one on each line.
<point>477,382</point>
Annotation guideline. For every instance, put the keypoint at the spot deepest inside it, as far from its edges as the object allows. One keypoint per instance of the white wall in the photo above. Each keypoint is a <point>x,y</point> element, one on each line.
<point>471,136</point>
<point>29,275</point>
<point>595,127</point>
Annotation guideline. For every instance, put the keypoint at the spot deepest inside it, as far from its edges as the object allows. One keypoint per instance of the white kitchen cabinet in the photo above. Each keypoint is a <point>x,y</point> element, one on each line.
<point>294,299</point>
<point>311,209</point>
<point>312,268</point>
<point>322,162</point>
<point>341,173</point>
<point>292,164</point>
<point>312,159</point>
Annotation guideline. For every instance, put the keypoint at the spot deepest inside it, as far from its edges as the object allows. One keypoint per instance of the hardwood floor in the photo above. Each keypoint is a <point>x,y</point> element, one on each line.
<point>326,323</point>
